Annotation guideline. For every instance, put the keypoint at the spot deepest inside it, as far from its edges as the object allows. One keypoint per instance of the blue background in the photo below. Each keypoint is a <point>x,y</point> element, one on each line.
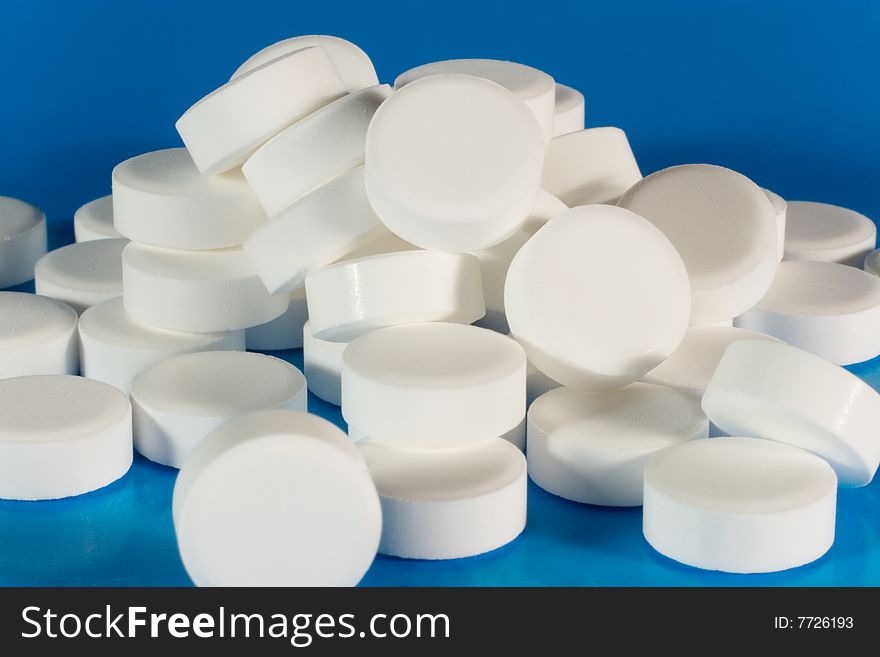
<point>786,92</point>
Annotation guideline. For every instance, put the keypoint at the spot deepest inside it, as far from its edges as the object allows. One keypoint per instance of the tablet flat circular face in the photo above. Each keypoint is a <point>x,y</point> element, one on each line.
<point>22,240</point>
<point>827,233</point>
<point>585,315</point>
<point>283,332</point>
<point>780,207</point>
<point>276,498</point>
<point>453,162</point>
<point>82,274</point>
<point>37,336</point>
<point>61,436</point>
<point>94,221</point>
<point>569,111</point>
<point>872,263</point>
<point>739,505</point>
<point>724,227</point>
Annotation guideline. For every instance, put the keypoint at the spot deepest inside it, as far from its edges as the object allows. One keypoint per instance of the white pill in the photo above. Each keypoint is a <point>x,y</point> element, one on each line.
<point>690,367</point>
<point>780,207</point>
<point>276,498</point>
<point>595,165</point>
<point>114,347</point>
<point>353,297</point>
<point>828,233</point>
<point>94,221</point>
<point>383,242</point>
<point>285,331</point>
<point>82,274</point>
<point>769,389</point>
<point>317,230</point>
<point>724,227</point>
<point>569,116</point>
<point>448,503</point>
<point>516,436</point>
<point>178,401</point>
<point>537,383</point>
<point>739,505</point>
<point>352,63</point>
<point>322,362</point>
<point>535,88</point>
<point>433,384</point>
<point>160,198</point>
<point>197,291</point>
<point>61,436</point>
<point>313,151</point>
<point>225,127</point>
<point>872,263</point>
<point>592,447</point>
<point>585,315</point>
<point>37,336</point>
<point>22,240</point>
<point>453,162</point>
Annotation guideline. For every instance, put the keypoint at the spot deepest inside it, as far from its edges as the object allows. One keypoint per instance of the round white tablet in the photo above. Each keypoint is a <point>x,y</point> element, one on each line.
<point>94,221</point>
<point>198,291</point>
<point>178,401</point>
<point>780,207</point>
<point>114,347</point>
<point>276,498</point>
<point>535,88</point>
<point>587,316</point>
<point>22,240</point>
<point>285,331</point>
<point>724,227</point>
<point>322,362</point>
<point>317,230</point>
<point>225,127</point>
<point>595,165</point>
<point>453,162</point>
<point>37,336</point>
<point>433,384</point>
<point>82,274</point>
<point>352,63</point>
<point>828,233</point>
<point>769,389</point>
<point>569,115</point>
<point>872,263</point>
<point>829,309</point>
<point>516,436</point>
<point>353,297</point>
<point>448,503</point>
<point>160,198</point>
<point>739,505</point>
<point>592,447</point>
<point>61,436</point>
<point>313,151</point>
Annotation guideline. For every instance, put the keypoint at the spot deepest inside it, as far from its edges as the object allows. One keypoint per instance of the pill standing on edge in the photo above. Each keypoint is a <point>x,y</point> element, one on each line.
<point>37,336</point>
<point>283,332</point>
<point>827,233</point>
<point>82,274</point>
<point>94,221</point>
<point>22,240</point>
<point>569,111</point>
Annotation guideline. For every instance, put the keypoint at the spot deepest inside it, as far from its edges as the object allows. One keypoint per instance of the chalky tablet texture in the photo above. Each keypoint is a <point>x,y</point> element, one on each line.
<point>22,240</point>
<point>775,391</point>
<point>179,401</point>
<point>61,436</point>
<point>724,227</point>
<point>94,221</point>
<point>592,447</point>
<point>160,198</point>
<point>225,127</point>
<point>322,362</point>
<point>37,336</point>
<point>114,347</point>
<point>569,111</point>
<point>453,162</point>
<point>276,498</point>
<point>448,503</point>
<point>872,263</point>
<point>780,208</point>
<point>829,309</point>
<point>82,274</point>
<point>739,505</point>
<point>433,384</point>
<point>585,315</point>
<point>827,233</point>
<point>283,332</point>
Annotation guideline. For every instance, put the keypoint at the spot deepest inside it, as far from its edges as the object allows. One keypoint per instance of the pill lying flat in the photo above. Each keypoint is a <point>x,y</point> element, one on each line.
<point>322,362</point>
<point>37,336</point>
<point>630,313</point>
<point>448,503</point>
<point>739,505</point>
<point>196,291</point>
<point>433,384</point>
<point>780,207</point>
<point>592,447</point>
<point>61,436</point>
<point>22,240</point>
<point>828,233</point>
<point>453,162</point>
<point>283,332</point>
<point>160,198</point>
<point>772,390</point>
<point>225,127</point>
<point>94,221</point>
<point>569,111</point>
<point>82,274</point>
<point>872,263</point>
<point>276,498</point>
<point>114,347</point>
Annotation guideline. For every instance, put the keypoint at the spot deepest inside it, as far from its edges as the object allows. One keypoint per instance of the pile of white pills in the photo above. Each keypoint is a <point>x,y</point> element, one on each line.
<point>490,290</point>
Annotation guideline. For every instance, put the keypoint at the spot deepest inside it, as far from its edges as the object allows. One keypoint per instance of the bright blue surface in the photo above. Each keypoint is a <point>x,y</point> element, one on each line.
<point>786,92</point>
